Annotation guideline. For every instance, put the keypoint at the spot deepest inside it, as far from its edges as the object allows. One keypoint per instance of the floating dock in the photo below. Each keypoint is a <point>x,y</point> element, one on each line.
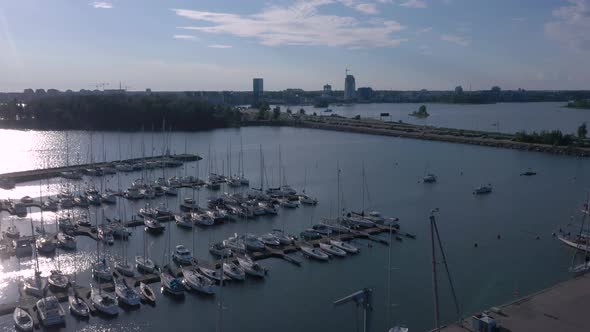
<point>27,302</point>
<point>562,307</point>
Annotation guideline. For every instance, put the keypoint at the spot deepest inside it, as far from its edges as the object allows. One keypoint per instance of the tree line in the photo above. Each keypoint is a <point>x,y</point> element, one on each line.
<point>117,112</point>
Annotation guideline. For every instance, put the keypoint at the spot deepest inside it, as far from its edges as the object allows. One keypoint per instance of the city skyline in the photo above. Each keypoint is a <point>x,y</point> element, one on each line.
<point>387,44</point>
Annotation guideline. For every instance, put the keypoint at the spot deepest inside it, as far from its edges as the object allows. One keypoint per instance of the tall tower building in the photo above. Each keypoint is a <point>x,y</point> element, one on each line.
<point>349,87</point>
<point>257,89</point>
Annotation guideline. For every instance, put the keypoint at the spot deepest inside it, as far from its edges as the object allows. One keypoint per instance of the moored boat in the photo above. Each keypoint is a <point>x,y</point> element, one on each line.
<point>23,321</point>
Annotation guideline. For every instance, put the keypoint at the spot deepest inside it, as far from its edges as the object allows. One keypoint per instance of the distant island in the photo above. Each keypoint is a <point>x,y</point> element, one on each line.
<point>579,103</point>
<point>421,112</point>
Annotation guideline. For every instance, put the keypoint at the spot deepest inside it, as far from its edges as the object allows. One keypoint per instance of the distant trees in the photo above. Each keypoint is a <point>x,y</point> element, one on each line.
<point>114,112</point>
<point>582,131</point>
<point>301,111</point>
<point>276,112</point>
<point>553,137</point>
<point>421,113</point>
<point>579,103</point>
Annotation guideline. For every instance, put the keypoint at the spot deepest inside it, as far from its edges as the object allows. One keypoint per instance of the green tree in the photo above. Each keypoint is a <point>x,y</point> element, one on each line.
<point>582,131</point>
<point>302,111</point>
<point>276,112</point>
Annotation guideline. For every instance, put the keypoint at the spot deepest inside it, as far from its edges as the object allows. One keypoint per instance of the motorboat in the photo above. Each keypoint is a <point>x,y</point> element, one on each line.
<point>147,293</point>
<point>119,230</point>
<point>287,203</point>
<point>108,198</point>
<point>93,198</point>
<point>23,321</point>
<point>182,255</point>
<point>311,252</point>
<point>163,211</point>
<point>268,207</point>
<point>45,245</point>
<point>104,302</point>
<point>125,269</point>
<point>102,271</point>
<point>12,232</point>
<point>50,311</point>
<point>189,204</point>
<point>399,329</point>
<point>270,239</point>
<point>184,220</point>
<point>171,284</point>
<point>203,219</point>
<point>22,247</point>
<point>235,243</point>
<point>282,237</point>
<point>220,250</point>
<point>153,225</point>
<point>332,250</point>
<point>126,294</point>
<point>20,209</point>
<point>35,285</point>
<point>234,271</point>
<point>307,200</point>
<point>133,194</point>
<point>253,243</point>
<point>244,181</point>
<point>194,280</point>
<point>251,267</point>
<point>170,191</point>
<point>349,248</point>
<point>234,182</point>
<point>58,280</point>
<point>148,193</point>
<point>144,264</point>
<point>49,205</point>
<point>483,189</point>
<point>335,227</point>
<point>215,215</point>
<point>429,178</point>
<point>148,211</point>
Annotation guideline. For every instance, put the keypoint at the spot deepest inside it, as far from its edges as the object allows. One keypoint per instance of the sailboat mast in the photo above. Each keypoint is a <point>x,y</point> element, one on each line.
<point>434,277</point>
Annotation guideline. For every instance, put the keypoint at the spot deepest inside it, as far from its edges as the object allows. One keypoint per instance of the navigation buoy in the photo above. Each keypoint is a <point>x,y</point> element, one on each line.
<point>538,237</point>
<point>498,237</point>
<point>475,244</point>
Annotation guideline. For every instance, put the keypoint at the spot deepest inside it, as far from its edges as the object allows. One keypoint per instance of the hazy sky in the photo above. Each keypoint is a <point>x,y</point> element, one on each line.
<point>221,45</point>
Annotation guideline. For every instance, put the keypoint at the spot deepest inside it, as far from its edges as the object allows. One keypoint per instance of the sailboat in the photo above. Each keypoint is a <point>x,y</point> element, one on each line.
<point>35,285</point>
<point>77,305</point>
<point>581,242</point>
<point>144,263</point>
<point>126,294</point>
<point>170,284</point>
<point>234,271</point>
<point>104,302</point>
<point>243,180</point>
<point>101,269</point>
<point>50,311</point>
<point>250,266</point>
<point>122,266</point>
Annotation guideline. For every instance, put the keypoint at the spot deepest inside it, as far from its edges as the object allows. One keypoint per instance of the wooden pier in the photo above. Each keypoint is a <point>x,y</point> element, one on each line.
<point>47,173</point>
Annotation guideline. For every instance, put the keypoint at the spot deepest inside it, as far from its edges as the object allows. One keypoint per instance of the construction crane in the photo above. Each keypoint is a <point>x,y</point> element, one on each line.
<point>362,298</point>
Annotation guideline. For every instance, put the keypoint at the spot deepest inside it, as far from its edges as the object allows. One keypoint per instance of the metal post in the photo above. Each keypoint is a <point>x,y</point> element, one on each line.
<point>434,278</point>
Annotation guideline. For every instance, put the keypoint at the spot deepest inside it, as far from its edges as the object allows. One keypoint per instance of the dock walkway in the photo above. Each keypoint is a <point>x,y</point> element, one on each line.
<point>562,307</point>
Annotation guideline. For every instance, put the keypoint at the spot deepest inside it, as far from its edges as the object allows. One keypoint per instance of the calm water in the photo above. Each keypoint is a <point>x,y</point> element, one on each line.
<point>503,117</point>
<point>300,298</point>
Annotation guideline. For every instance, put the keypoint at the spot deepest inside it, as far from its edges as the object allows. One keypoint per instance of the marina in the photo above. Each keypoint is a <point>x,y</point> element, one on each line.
<point>286,265</point>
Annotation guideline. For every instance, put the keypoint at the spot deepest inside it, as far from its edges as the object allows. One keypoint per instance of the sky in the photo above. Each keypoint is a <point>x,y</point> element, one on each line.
<point>221,45</point>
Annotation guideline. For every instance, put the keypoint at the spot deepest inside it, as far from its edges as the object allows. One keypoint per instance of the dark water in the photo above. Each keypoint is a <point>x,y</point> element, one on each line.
<point>501,117</point>
<point>300,298</point>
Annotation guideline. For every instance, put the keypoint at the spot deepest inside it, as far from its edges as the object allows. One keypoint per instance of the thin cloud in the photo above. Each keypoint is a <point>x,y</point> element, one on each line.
<point>571,25</point>
<point>363,7</point>
<point>414,4</point>
<point>298,24</point>
<point>185,37</point>
<point>219,46</point>
<point>424,30</point>
<point>102,5</point>
<point>455,39</point>
<point>519,19</point>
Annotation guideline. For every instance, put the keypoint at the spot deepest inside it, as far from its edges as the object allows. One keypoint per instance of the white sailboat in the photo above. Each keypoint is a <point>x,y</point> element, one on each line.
<point>126,294</point>
<point>104,302</point>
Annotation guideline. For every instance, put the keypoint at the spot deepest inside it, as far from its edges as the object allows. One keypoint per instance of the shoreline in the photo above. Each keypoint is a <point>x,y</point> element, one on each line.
<point>406,130</point>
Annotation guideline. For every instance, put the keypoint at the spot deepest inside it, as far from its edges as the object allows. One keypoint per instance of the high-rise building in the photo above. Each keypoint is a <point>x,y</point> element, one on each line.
<point>327,90</point>
<point>349,87</point>
<point>257,89</point>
